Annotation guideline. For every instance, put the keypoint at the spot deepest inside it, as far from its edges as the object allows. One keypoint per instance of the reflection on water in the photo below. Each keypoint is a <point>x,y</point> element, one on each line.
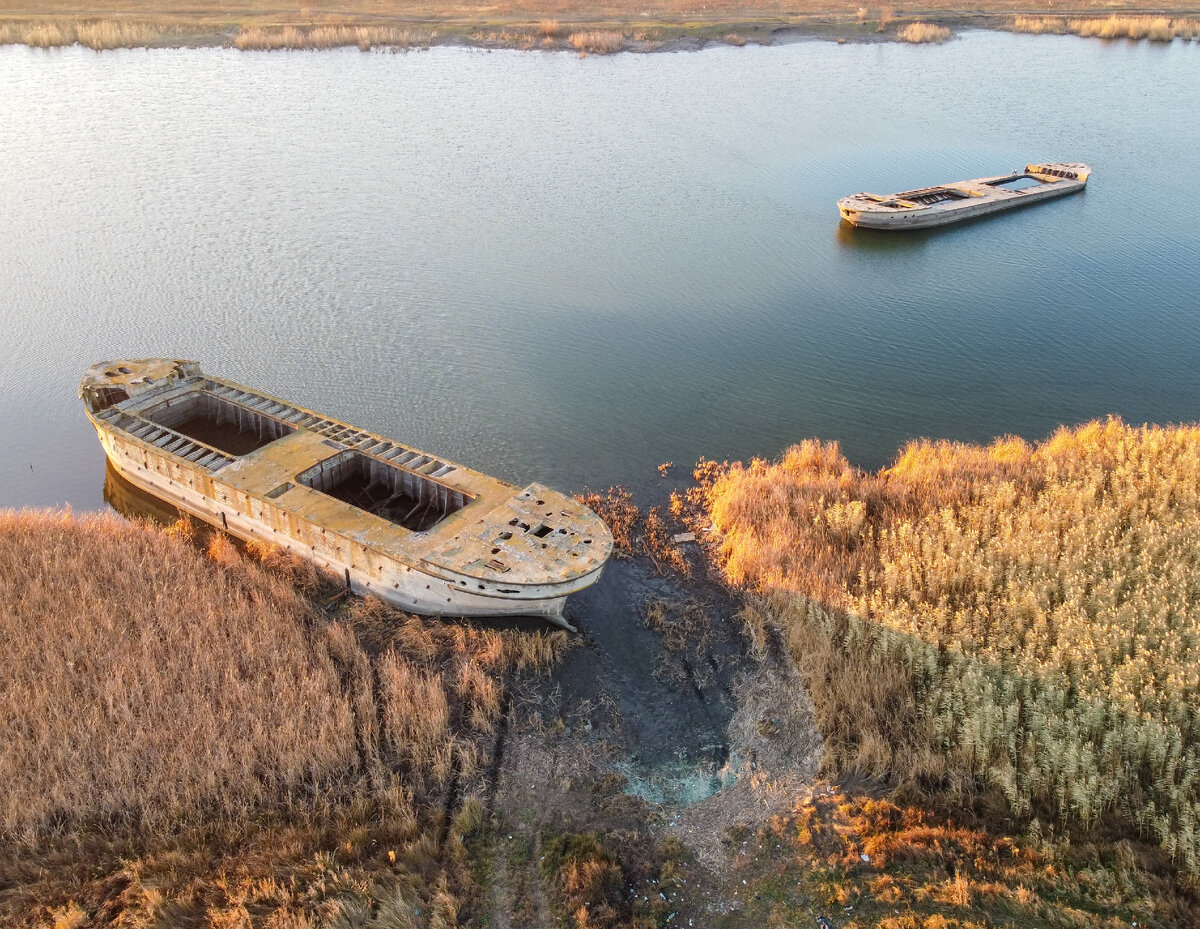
<point>572,270</point>
<point>880,240</point>
<point>134,503</point>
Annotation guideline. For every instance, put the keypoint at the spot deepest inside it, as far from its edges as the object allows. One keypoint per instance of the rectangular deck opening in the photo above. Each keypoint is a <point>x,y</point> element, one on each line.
<point>931,197</point>
<point>216,422</point>
<point>1017,183</point>
<point>400,496</point>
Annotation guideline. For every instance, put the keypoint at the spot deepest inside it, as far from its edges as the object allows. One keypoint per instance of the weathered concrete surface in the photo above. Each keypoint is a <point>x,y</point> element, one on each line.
<point>261,468</point>
<point>960,200</point>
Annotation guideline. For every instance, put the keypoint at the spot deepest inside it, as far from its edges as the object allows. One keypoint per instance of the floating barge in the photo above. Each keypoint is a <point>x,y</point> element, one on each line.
<point>951,203</point>
<point>425,534</point>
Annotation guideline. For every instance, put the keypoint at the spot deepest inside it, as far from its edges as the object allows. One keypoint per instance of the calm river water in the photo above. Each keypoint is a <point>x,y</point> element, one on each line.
<point>571,270</point>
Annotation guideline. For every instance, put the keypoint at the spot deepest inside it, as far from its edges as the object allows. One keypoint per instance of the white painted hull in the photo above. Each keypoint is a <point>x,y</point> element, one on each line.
<point>405,586</point>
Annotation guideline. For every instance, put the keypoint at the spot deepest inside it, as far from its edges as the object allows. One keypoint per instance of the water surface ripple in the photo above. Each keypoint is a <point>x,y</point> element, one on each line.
<point>571,270</point>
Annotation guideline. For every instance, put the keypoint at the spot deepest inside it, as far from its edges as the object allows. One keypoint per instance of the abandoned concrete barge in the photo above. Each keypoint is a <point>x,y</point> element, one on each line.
<point>425,534</point>
<point>951,203</point>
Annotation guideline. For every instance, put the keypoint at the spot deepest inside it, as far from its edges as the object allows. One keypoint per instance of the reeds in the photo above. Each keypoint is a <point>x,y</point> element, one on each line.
<point>147,683</point>
<point>274,38</point>
<point>597,42</point>
<point>1020,618</point>
<point>1153,28</point>
<point>920,33</point>
<point>92,33</point>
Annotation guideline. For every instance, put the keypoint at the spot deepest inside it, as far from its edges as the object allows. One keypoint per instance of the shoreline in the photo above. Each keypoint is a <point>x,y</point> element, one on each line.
<point>600,35</point>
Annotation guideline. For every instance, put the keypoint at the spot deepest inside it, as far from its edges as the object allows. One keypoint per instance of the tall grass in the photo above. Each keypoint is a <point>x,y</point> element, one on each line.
<point>126,653</point>
<point>1019,617</point>
<point>597,42</point>
<point>272,38</point>
<point>1154,28</point>
<point>92,33</point>
<point>150,686</point>
<point>919,33</point>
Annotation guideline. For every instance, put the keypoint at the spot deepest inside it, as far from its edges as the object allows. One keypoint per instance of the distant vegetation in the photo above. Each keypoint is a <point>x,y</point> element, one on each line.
<point>597,42</point>
<point>1154,28</point>
<point>364,37</point>
<point>197,726</point>
<point>1019,621</point>
<point>919,33</point>
<point>600,27</point>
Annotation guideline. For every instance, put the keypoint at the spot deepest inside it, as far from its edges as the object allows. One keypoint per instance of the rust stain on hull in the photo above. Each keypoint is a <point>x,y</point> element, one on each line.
<point>425,534</point>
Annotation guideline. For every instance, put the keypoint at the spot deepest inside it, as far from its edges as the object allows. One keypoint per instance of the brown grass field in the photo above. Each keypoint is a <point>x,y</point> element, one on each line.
<point>600,27</point>
<point>190,739</point>
<point>1015,625</point>
<point>200,736</point>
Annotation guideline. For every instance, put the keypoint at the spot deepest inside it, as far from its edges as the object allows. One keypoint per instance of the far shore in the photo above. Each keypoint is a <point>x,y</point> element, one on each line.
<point>659,25</point>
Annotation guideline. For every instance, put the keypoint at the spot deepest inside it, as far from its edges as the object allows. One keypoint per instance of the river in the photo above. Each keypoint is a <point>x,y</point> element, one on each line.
<point>574,269</point>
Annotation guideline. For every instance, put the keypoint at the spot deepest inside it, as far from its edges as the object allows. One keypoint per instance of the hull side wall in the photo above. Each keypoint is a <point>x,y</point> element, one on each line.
<point>923,219</point>
<point>366,571</point>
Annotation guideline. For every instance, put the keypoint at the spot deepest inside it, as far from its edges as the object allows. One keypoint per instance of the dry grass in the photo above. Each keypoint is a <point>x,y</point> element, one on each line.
<point>1022,618</point>
<point>597,42</point>
<point>930,869</point>
<point>273,38</point>
<point>152,689</point>
<point>124,652</point>
<point>93,33</point>
<point>1154,28</point>
<point>636,533</point>
<point>920,33</point>
<point>529,24</point>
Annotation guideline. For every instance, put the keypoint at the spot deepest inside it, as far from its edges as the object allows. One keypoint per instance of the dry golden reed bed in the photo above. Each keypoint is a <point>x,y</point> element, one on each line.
<point>92,33</point>
<point>1019,618</point>
<point>297,37</point>
<point>920,33</point>
<point>157,693</point>
<point>1154,28</point>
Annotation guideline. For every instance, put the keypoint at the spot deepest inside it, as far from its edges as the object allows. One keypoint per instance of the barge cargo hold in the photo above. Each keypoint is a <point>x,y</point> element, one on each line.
<point>951,203</point>
<point>425,534</point>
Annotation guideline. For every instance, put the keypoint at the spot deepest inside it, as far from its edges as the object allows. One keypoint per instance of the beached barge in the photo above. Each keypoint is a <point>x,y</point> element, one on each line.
<point>425,534</point>
<point>951,203</point>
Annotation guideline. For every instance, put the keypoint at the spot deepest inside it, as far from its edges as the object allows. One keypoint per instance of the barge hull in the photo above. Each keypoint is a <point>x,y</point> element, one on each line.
<point>929,219</point>
<point>963,200</point>
<point>404,587</point>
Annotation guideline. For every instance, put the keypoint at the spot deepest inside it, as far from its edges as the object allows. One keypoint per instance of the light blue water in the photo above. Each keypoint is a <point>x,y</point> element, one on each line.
<point>571,270</point>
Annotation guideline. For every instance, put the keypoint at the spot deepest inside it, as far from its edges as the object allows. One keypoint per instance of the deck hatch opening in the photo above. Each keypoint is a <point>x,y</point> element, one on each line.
<point>1024,182</point>
<point>542,531</point>
<point>941,195</point>
<point>104,397</point>
<point>403,497</point>
<point>217,423</point>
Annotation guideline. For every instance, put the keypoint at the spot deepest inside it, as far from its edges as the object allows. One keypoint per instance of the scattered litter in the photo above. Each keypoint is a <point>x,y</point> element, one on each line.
<point>865,857</point>
<point>681,537</point>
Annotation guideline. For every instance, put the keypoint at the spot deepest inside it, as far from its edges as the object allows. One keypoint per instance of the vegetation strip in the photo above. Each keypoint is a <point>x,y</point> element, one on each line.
<point>192,714</point>
<point>599,29</point>
<point>1021,620</point>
